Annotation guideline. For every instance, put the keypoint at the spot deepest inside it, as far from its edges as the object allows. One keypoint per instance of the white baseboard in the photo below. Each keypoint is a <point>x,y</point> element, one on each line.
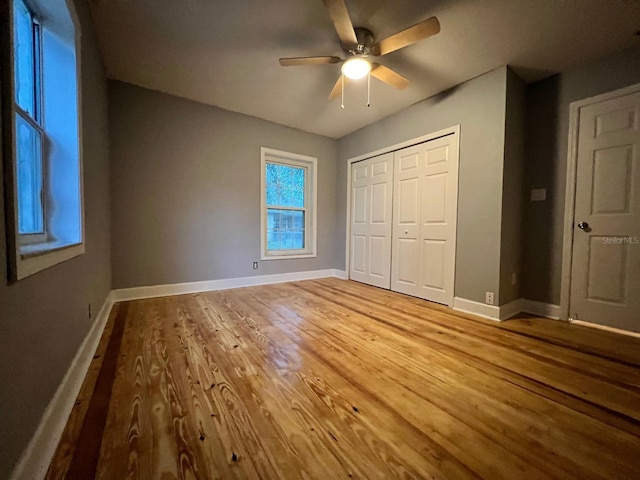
<point>541,309</point>
<point>340,274</point>
<point>35,459</point>
<point>137,293</point>
<point>504,312</point>
<point>510,309</point>
<point>604,327</point>
<point>476,308</point>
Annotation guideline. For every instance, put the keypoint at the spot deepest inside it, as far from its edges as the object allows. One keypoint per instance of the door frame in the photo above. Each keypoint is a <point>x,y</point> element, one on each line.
<point>570,190</point>
<point>454,130</point>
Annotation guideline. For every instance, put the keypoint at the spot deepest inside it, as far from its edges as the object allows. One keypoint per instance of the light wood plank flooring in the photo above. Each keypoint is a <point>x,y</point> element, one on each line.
<point>331,379</point>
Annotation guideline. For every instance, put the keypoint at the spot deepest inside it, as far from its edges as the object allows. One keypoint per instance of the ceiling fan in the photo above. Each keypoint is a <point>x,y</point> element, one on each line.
<point>359,44</point>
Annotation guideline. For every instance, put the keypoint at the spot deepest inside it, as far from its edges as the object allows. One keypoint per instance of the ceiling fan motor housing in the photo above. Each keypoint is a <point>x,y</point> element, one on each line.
<point>365,41</point>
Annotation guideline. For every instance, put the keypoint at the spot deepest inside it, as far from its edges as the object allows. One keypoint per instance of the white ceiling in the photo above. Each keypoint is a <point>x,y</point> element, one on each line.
<point>225,52</point>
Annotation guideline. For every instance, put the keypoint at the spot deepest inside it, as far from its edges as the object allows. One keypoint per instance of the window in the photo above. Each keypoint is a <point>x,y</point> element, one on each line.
<point>41,106</point>
<point>288,198</point>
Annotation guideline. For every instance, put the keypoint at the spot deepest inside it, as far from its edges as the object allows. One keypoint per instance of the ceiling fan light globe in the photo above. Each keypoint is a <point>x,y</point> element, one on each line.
<point>356,68</point>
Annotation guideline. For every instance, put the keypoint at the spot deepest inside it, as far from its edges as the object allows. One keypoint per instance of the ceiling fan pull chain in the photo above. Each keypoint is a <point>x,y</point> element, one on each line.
<point>342,105</point>
<point>369,89</point>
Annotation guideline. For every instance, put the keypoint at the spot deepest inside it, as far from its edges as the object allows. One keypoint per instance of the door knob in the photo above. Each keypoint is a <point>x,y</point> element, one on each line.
<point>583,226</point>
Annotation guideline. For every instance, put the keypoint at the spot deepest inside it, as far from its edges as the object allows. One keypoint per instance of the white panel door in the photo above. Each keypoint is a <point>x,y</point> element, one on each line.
<point>405,271</point>
<point>425,214</point>
<point>371,197</point>
<point>605,273</point>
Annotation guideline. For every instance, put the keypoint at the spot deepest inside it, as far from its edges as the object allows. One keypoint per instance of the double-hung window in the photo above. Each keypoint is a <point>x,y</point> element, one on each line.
<point>288,216</point>
<point>41,134</point>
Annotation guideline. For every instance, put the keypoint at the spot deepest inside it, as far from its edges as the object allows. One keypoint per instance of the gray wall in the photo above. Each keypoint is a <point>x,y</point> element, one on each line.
<point>45,316</point>
<point>186,190</point>
<point>512,190</point>
<point>546,146</point>
<point>478,106</point>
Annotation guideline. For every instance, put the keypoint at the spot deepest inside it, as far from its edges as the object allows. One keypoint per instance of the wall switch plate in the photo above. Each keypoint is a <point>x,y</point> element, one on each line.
<point>255,265</point>
<point>514,278</point>
<point>538,194</point>
<point>488,298</point>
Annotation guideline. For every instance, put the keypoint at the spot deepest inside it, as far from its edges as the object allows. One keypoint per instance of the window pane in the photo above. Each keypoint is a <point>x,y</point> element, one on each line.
<point>29,174</point>
<point>285,229</point>
<point>285,185</point>
<point>24,58</point>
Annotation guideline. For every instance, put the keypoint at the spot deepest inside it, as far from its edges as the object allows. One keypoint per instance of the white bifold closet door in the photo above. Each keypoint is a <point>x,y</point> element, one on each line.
<point>425,200</point>
<point>371,197</point>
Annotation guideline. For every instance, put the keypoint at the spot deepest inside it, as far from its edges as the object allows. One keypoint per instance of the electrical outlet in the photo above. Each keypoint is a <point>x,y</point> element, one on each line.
<point>89,311</point>
<point>488,298</point>
<point>255,265</point>
<point>514,278</point>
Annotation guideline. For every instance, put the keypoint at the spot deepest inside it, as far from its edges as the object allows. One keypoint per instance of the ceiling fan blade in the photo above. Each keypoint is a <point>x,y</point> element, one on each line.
<point>389,76</point>
<point>337,88</point>
<point>407,37</point>
<point>342,22</point>
<point>296,61</point>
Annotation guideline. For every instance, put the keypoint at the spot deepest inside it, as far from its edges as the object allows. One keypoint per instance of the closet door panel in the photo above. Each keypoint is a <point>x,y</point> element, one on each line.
<point>371,197</point>
<point>405,268</point>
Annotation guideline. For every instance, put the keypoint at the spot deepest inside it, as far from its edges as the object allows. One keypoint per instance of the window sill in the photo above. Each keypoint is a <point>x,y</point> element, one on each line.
<point>42,248</point>
<point>37,257</point>
<point>287,256</point>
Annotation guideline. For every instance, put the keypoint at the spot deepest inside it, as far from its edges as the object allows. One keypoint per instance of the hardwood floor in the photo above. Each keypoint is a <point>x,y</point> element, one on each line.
<point>333,379</point>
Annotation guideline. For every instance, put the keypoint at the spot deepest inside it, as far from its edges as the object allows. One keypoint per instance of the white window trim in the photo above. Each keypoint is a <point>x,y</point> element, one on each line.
<point>28,259</point>
<point>311,233</point>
